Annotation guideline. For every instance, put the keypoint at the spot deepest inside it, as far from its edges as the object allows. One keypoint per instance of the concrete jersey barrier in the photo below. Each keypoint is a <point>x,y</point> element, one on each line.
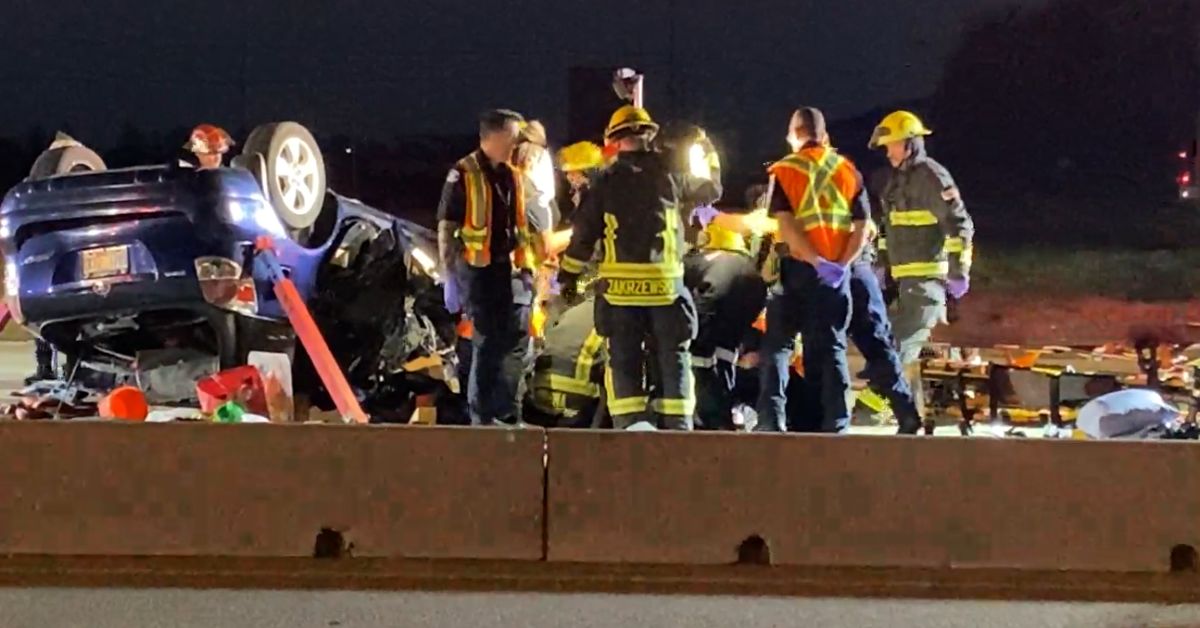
<point>268,490</point>
<point>872,501</point>
<point>115,489</point>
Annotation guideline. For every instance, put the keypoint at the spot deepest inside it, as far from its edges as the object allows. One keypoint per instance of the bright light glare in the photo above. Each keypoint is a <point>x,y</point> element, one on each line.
<point>542,176</point>
<point>4,230</point>
<point>266,219</point>
<point>698,163</point>
<point>426,262</point>
<point>760,223</point>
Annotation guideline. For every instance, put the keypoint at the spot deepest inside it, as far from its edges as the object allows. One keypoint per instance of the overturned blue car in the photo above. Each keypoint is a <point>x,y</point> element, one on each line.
<point>109,264</point>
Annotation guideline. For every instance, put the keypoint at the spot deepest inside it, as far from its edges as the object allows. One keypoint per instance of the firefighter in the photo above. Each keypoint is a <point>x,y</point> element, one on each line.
<point>209,144</point>
<point>928,236</point>
<point>642,307</point>
<point>822,211</point>
<point>568,375</point>
<point>729,294</point>
<point>579,162</point>
<point>485,244</point>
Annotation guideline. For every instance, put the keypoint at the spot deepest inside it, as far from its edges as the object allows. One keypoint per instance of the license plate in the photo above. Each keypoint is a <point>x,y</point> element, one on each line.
<point>106,262</point>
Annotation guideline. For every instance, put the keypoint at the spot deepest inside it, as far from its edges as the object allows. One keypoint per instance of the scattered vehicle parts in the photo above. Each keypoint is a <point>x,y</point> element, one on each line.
<point>168,376</point>
<point>109,264</point>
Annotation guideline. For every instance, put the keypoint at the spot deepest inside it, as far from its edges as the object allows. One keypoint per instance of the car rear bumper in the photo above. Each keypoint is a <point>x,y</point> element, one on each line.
<point>103,300</point>
<point>157,272</point>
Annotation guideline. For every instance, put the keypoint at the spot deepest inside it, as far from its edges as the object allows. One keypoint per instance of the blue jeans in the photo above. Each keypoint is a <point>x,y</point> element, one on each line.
<point>871,332</point>
<point>821,315</point>
<point>500,345</point>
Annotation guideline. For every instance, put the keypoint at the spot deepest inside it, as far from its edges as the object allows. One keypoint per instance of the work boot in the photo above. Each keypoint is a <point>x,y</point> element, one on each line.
<point>910,427</point>
<point>43,373</point>
<point>43,352</point>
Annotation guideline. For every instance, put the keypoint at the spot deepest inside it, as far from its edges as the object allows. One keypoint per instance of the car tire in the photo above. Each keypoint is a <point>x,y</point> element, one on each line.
<point>294,172</point>
<point>65,160</point>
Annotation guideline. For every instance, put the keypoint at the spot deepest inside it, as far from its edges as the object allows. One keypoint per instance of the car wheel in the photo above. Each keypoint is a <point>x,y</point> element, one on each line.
<point>294,172</point>
<point>65,160</point>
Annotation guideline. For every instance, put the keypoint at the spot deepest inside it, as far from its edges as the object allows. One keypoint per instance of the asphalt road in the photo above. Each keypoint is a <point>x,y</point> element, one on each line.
<point>125,608</point>
<point>16,362</point>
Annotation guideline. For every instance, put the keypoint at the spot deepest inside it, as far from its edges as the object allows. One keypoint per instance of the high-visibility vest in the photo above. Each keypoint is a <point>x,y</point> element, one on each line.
<point>820,185</point>
<point>476,232</point>
<point>465,329</point>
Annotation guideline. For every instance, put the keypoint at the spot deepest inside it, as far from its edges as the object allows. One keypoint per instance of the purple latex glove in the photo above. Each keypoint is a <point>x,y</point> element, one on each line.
<point>830,273</point>
<point>450,296</point>
<point>554,286</point>
<point>958,288</point>
<point>704,214</point>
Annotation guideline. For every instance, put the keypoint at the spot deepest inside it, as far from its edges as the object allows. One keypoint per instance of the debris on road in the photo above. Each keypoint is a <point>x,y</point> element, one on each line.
<point>1134,413</point>
<point>168,415</point>
<point>125,403</point>
<point>51,399</point>
<point>242,385</point>
<point>169,376</point>
<point>276,372</point>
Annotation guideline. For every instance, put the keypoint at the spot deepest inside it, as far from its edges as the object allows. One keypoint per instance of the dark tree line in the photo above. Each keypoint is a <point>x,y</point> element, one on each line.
<point>1080,96</point>
<point>1077,99</point>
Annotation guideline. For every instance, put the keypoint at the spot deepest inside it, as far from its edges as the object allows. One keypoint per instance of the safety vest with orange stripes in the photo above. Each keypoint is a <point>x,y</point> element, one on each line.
<point>820,186</point>
<point>476,230</point>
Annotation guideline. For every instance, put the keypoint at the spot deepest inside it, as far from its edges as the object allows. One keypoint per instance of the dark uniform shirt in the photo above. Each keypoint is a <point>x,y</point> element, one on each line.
<point>453,206</point>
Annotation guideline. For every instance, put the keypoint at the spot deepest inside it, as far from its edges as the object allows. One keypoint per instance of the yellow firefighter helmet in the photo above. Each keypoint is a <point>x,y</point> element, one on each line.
<point>580,156</point>
<point>629,118</point>
<point>898,126</point>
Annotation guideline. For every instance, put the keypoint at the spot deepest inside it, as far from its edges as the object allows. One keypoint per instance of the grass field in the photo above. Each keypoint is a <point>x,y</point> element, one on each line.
<point>1115,246</point>
<point>1060,271</point>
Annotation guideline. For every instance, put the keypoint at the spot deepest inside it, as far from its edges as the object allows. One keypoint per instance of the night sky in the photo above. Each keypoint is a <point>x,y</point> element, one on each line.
<point>380,68</point>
